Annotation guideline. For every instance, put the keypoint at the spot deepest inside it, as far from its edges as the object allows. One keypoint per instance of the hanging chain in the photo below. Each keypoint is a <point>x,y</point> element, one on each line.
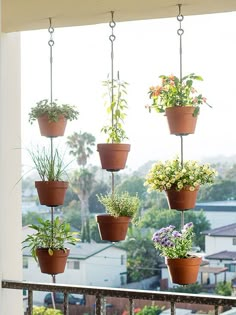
<point>180,32</point>
<point>112,38</point>
<point>51,44</point>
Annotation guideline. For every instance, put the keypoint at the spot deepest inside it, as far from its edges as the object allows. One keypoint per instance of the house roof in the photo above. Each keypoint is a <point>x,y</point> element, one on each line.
<point>227,231</point>
<point>79,251</point>
<point>224,255</point>
<point>83,251</point>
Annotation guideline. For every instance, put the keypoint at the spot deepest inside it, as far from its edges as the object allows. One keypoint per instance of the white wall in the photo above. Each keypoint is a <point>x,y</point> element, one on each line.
<point>218,244</point>
<point>10,170</point>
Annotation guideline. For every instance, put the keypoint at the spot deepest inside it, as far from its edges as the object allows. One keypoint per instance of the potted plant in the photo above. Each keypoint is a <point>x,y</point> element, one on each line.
<point>175,246</point>
<point>121,209</point>
<point>114,153</point>
<point>48,244</point>
<point>51,170</point>
<point>180,181</point>
<point>179,100</point>
<point>52,117</point>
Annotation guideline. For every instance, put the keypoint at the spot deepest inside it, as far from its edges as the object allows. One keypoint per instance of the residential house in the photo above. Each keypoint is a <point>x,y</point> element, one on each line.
<point>221,251</point>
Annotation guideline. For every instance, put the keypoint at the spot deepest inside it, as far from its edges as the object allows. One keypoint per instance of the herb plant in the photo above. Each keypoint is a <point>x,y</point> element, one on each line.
<point>120,204</point>
<point>50,167</point>
<point>53,111</point>
<point>116,107</point>
<point>50,235</point>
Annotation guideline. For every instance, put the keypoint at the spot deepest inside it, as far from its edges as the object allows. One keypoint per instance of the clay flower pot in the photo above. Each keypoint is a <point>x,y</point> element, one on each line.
<point>181,120</point>
<point>52,129</point>
<point>52,264</point>
<point>183,270</point>
<point>111,228</point>
<point>51,193</point>
<point>113,156</point>
<point>183,199</point>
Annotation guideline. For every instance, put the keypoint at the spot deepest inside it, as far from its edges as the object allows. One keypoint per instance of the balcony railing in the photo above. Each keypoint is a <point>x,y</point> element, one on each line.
<point>101,293</point>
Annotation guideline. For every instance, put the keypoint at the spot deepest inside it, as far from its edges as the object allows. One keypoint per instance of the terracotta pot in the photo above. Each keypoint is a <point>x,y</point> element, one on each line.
<point>183,199</point>
<point>112,229</point>
<point>181,120</point>
<point>183,270</point>
<point>50,128</point>
<point>51,193</point>
<point>52,264</point>
<point>113,156</point>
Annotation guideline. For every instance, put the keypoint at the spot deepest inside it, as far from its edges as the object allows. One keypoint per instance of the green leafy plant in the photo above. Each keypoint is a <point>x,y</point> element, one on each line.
<point>49,166</point>
<point>151,310</point>
<point>122,204</point>
<point>116,107</point>
<point>172,243</point>
<point>223,288</point>
<point>41,310</point>
<point>53,110</point>
<point>50,235</point>
<point>175,92</point>
<point>172,174</point>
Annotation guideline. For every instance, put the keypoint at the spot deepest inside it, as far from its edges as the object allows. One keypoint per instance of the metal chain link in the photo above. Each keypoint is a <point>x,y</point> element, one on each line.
<point>51,44</point>
<point>180,32</point>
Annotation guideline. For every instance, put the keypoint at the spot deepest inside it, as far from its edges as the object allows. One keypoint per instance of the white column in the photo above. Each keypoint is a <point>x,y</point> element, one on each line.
<point>10,172</point>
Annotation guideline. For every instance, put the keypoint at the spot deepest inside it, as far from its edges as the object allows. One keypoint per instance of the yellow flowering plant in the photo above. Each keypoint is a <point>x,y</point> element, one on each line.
<point>176,92</point>
<point>173,174</point>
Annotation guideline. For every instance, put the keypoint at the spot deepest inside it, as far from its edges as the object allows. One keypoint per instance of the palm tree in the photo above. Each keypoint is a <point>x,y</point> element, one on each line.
<point>82,180</point>
<point>81,146</point>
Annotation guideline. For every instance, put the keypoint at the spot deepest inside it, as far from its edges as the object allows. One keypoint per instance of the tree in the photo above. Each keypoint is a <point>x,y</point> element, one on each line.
<point>157,219</point>
<point>142,257</point>
<point>81,145</point>
<point>94,205</point>
<point>222,190</point>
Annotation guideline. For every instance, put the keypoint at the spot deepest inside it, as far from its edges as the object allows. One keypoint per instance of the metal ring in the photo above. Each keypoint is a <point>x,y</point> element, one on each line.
<point>51,29</point>
<point>112,24</point>
<point>180,17</point>
<point>51,42</point>
<point>180,31</point>
<point>112,38</point>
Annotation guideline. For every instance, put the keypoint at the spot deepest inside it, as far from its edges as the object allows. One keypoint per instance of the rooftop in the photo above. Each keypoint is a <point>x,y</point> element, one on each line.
<point>227,231</point>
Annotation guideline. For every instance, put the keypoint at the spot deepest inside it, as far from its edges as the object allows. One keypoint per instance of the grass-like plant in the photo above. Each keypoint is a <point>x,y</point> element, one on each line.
<point>50,166</point>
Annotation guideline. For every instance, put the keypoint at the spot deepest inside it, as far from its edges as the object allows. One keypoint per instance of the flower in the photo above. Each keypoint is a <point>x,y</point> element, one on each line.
<point>175,92</point>
<point>173,174</point>
<point>172,243</point>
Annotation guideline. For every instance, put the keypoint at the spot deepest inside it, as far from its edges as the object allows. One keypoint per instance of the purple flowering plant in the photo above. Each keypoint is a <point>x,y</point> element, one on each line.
<point>172,243</point>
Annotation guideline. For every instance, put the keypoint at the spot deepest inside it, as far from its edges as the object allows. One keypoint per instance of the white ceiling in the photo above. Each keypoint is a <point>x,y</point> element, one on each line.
<point>19,15</point>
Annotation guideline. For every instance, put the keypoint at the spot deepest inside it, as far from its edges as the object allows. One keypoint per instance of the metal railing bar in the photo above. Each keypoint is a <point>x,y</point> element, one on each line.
<point>98,304</point>
<point>172,308</point>
<point>30,302</point>
<point>131,307</point>
<point>66,305</point>
<point>123,293</point>
<point>216,309</point>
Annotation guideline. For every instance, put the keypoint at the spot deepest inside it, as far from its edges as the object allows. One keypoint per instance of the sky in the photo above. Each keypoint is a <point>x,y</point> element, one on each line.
<point>143,50</point>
